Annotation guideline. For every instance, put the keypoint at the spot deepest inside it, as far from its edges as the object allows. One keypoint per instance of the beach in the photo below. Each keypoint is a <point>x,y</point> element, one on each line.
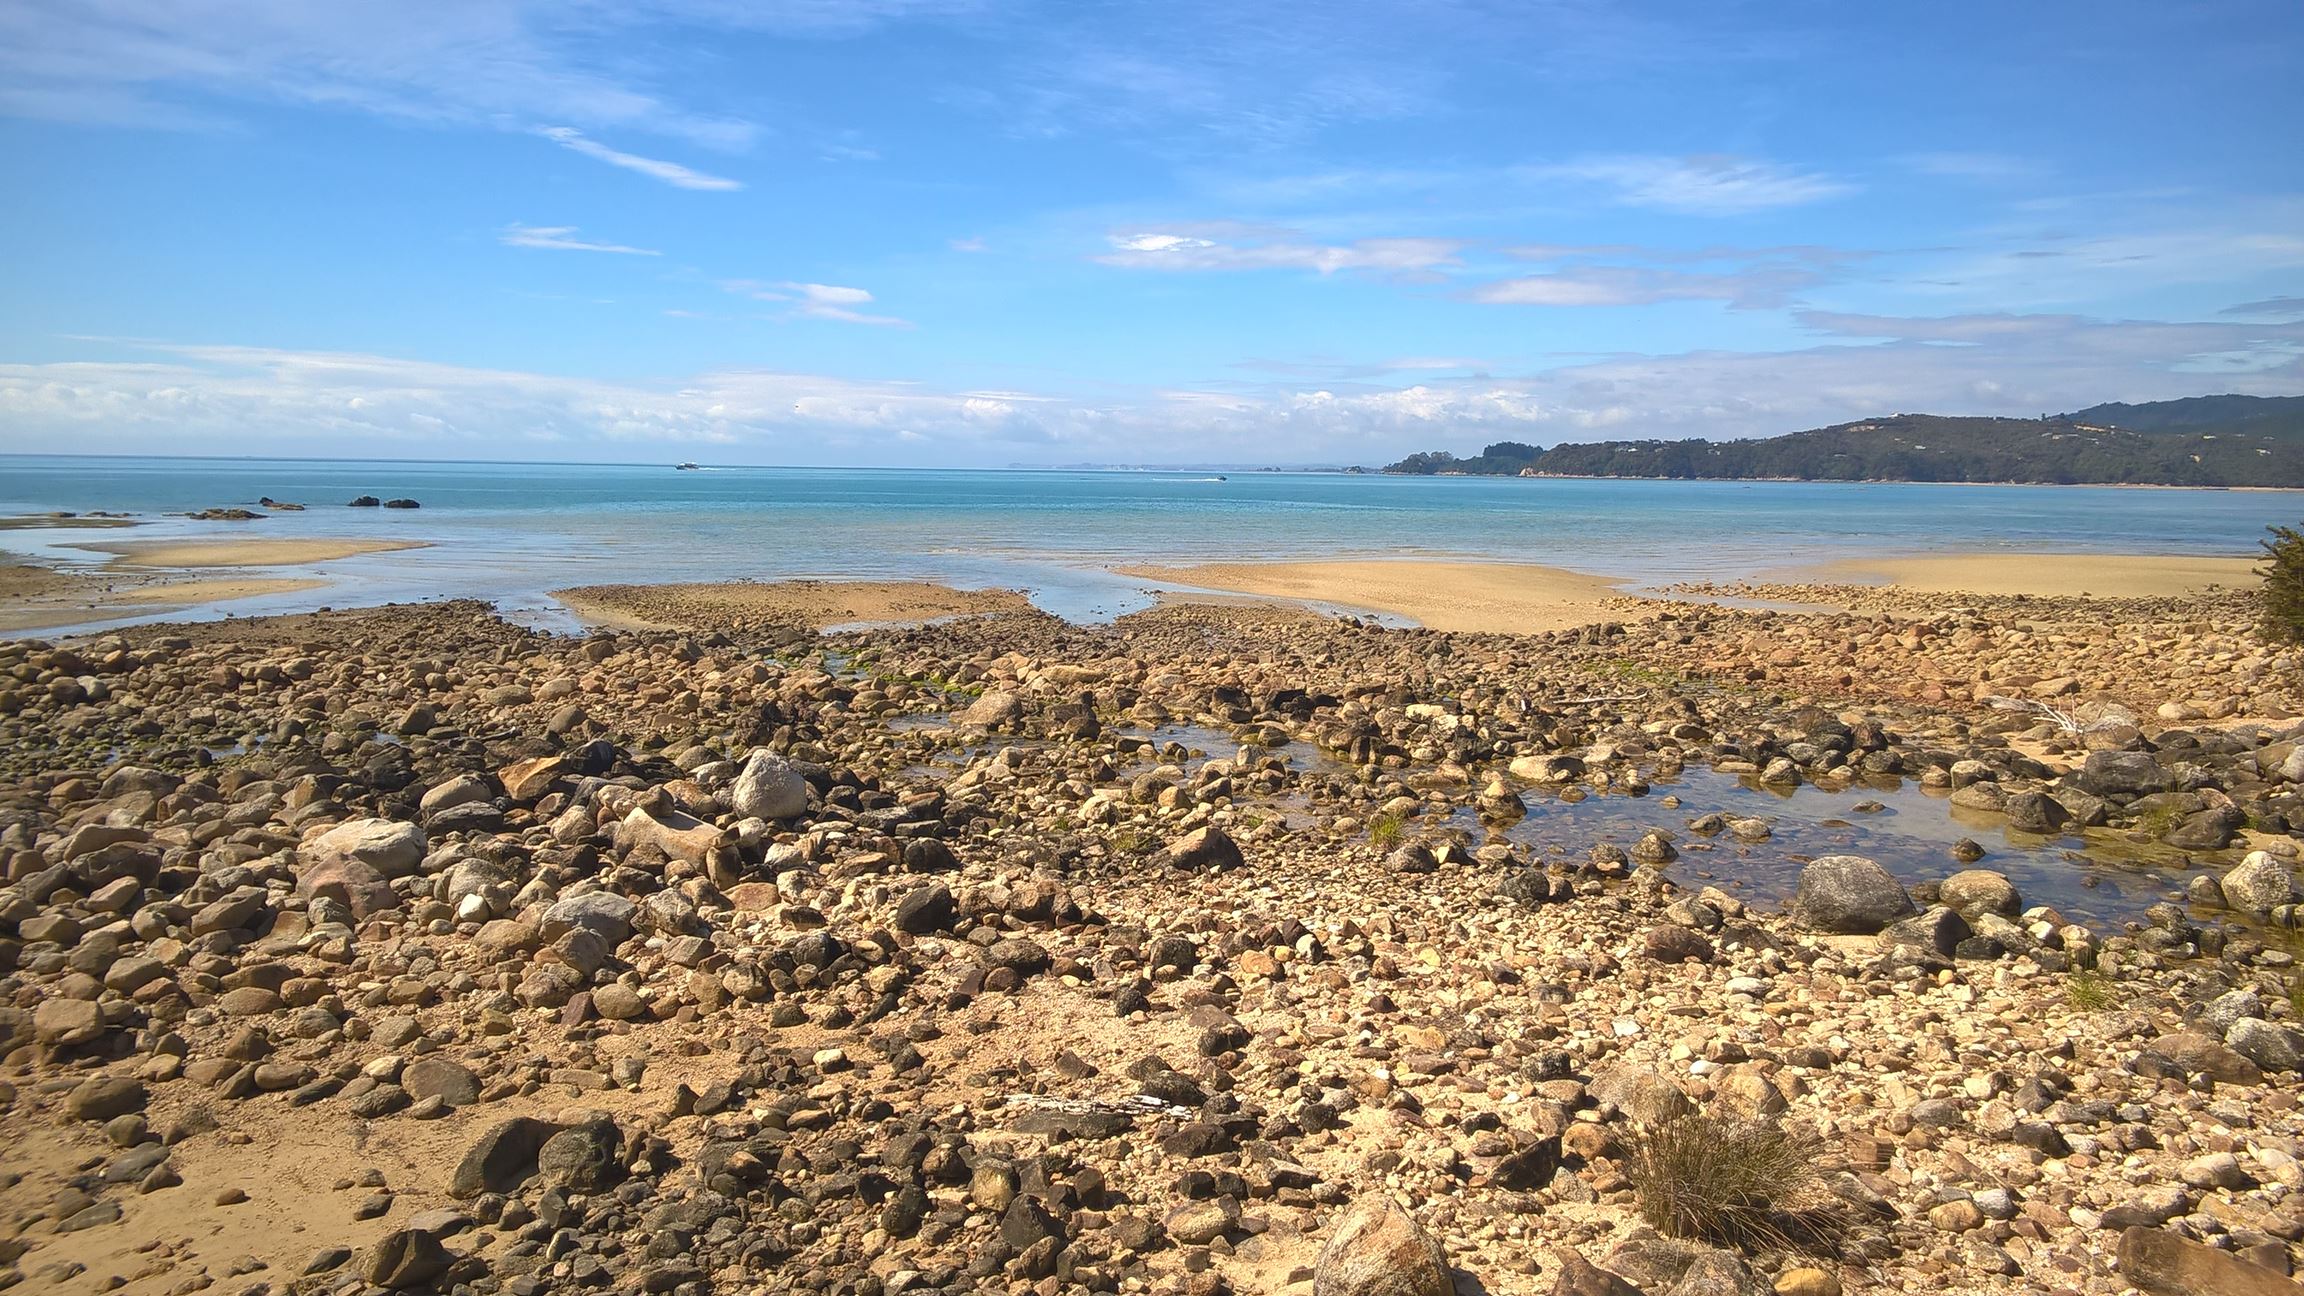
<point>721,890</point>
<point>2058,575</point>
<point>1504,598</point>
<point>242,552</point>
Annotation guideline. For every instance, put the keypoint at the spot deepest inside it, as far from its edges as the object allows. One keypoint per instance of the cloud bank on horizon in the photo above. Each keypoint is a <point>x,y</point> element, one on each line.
<point>979,232</point>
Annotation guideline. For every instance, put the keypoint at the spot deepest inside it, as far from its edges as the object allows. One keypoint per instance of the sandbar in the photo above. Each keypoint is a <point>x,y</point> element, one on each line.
<point>244,553</point>
<point>1503,598</point>
<point>34,598</point>
<point>2043,575</point>
<point>820,604</point>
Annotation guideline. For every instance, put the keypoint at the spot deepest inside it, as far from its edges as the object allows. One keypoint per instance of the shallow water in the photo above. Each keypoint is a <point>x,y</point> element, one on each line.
<point>2097,878</point>
<point>510,533</point>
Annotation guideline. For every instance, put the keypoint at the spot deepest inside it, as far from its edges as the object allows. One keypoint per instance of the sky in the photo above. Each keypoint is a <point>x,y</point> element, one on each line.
<point>993,232</point>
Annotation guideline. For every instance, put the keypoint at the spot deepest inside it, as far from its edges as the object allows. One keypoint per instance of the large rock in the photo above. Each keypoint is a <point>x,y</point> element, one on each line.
<point>679,836</point>
<point>2121,773</point>
<point>502,1158</point>
<point>349,882</point>
<point>1377,1250</point>
<point>2260,883</point>
<point>769,787</point>
<point>1980,891</point>
<point>992,711</point>
<point>2164,1264</point>
<point>602,912</point>
<point>393,849</point>
<point>2036,813</point>
<point>582,1158</point>
<point>436,1077</point>
<point>63,1022</point>
<point>406,1258</point>
<point>1205,850</point>
<point>925,909</point>
<point>1851,895</point>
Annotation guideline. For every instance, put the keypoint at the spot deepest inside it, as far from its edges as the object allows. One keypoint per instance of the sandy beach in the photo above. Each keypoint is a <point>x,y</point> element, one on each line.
<point>1510,598</point>
<point>244,553</point>
<point>816,603</point>
<point>2042,575</point>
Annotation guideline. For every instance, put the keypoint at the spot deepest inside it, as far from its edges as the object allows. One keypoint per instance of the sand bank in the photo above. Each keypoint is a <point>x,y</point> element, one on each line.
<point>34,598</point>
<point>244,553</point>
<point>818,603</point>
<point>2042,575</point>
<point>1512,598</point>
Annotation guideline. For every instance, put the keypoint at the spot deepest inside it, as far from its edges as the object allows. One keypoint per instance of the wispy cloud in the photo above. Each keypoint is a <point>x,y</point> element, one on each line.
<point>562,238</point>
<point>1970,166</point>
<point>1645,286</point>
<point>1713,185</point>
<point>2270,307</point>
<point>816,301</point>
<point>1191,248</point>
<point>671,173</point>
<point>1863,365</point>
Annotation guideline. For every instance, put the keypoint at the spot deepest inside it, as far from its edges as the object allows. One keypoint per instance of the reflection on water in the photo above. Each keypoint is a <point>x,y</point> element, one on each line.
<point>2098,877</point>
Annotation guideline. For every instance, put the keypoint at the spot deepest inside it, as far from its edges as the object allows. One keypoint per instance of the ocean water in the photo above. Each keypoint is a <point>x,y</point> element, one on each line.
<point>512,532</point>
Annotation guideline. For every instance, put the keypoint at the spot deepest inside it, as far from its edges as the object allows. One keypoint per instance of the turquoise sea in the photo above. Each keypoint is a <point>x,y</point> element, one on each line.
<point>510,532</point>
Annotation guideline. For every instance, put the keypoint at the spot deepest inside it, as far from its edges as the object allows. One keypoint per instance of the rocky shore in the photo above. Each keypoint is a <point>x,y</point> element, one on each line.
<point>405,949</point>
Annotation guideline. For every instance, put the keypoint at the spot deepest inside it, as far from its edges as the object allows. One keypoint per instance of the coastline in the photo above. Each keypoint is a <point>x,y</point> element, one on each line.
<point>1490,597</point>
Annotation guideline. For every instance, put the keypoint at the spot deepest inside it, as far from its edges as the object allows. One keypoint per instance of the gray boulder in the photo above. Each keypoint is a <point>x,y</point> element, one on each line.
<point>2121,773</point>
<point>1850,895</point>
<point>2260,883</point>
<point>769,787</point>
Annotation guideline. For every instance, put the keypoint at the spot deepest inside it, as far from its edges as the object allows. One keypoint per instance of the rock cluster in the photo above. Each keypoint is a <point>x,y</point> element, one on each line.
<point>694,962</point>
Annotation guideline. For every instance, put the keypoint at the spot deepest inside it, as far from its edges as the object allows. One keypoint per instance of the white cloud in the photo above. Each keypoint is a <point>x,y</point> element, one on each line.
<point>322,402</point>
<point>671,173</point>
<point>816,301</point>
<point>470,62</point>
<point>1277,250</point>
<point>562,238</point>
<point>1712,185</point>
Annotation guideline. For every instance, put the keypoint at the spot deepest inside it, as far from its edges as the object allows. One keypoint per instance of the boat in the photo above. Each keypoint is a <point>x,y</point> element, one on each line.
<point>685,467</point>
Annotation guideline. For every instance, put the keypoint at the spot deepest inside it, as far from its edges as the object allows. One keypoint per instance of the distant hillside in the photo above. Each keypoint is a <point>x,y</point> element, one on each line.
<point>2203,441</point>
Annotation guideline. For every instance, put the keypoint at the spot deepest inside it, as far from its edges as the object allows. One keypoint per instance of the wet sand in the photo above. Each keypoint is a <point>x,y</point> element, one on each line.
<point>819,604</point>
<point>35,598</point>
<point>244,553</point>
<point>1508,598</point>
<point>2042,575</point>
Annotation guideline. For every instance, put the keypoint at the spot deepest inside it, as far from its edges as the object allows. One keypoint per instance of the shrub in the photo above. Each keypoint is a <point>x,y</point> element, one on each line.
<point>1752,1184</point>
<point>1385,830</point>
<point>2283,593</point>
<point>2089,991</point>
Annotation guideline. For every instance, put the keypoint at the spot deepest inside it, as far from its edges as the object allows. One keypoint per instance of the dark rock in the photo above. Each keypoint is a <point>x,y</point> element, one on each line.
<point>1849,894</point>
<point>1206,850</point>
<point>2120,773</point>
<point>406,1258</point>
<point>502,1158</point>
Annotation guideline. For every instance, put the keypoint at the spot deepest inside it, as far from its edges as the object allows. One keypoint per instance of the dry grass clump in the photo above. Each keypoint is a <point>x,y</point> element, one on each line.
<point>1746,1183</point>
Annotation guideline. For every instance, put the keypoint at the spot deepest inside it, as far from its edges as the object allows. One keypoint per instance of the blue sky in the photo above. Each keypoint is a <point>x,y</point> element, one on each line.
<point>1002,231</point>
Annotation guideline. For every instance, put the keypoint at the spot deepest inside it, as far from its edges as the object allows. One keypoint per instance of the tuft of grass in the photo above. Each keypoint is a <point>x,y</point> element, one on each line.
<point>1385,830</point>
<point>1749,1184</point>
<point>2089,991</point>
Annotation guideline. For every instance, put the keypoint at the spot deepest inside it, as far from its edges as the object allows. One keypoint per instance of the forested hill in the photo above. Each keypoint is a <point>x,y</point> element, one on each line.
<point>2202,441</point>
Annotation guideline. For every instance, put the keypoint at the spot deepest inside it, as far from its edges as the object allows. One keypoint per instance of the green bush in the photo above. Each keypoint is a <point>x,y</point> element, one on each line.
<point>2283,573</point>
